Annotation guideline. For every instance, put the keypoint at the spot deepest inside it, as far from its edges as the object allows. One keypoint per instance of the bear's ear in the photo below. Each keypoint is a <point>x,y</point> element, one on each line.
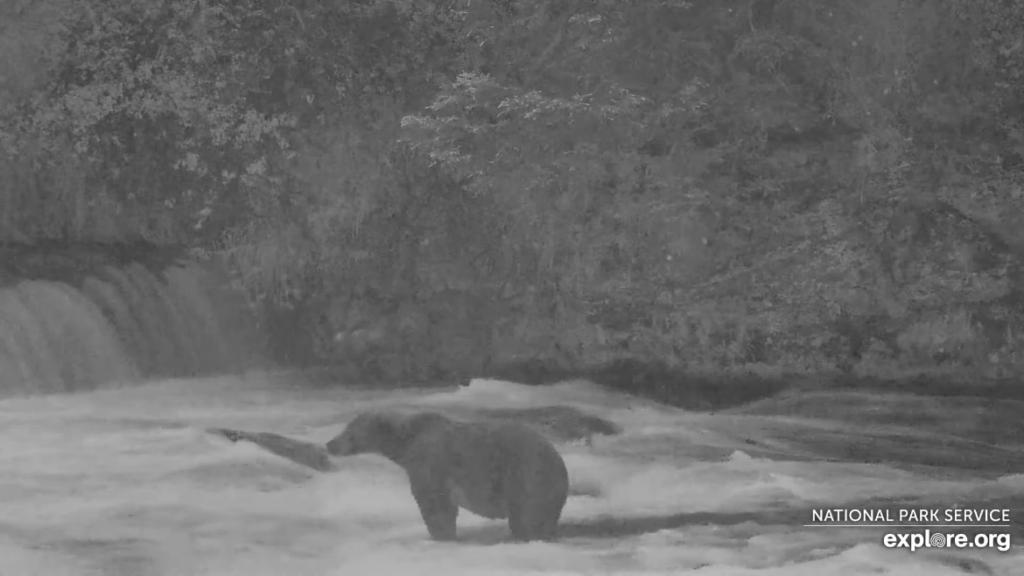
<point>338,446</point>
<point>369,429</point>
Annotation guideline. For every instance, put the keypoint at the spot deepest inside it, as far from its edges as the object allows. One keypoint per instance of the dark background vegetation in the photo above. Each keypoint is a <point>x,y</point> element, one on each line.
<point>412,190</point>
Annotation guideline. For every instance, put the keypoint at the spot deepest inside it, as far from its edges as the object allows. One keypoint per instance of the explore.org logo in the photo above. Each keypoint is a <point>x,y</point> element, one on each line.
<point>961,527</point>
<point>928,539</point>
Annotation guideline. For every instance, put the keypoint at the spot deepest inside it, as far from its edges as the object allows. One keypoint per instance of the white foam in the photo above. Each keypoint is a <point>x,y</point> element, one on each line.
<point>125,481</point>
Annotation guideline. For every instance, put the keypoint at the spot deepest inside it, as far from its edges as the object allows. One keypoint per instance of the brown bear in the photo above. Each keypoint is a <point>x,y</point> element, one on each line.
<point>498,470</point>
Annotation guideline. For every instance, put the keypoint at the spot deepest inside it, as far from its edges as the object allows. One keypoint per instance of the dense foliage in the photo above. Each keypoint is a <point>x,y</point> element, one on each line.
<point>421,186</point>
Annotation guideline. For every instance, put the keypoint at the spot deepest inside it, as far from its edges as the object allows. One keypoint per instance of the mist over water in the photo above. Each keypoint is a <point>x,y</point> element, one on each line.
<point>124,480</point>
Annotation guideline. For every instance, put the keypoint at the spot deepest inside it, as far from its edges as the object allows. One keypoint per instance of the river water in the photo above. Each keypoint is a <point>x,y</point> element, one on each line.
<point>126,482</point>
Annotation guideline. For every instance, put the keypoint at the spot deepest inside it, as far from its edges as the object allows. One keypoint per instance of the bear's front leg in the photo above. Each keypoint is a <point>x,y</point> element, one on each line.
<point>436,507</point>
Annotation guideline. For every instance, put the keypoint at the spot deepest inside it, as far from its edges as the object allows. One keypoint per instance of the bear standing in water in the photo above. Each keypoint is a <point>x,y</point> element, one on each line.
<point>498,470</point>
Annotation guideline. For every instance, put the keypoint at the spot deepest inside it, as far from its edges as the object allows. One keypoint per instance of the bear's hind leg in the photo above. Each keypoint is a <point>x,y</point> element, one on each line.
<point>524,530</point>
<point>531,520</point>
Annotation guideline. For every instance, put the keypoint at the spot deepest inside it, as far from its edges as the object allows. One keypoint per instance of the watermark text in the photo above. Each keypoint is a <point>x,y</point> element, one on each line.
<point>929,539</point>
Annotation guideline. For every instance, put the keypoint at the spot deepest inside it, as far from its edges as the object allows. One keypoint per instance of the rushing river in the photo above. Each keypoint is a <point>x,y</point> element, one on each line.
<point>127,482</point>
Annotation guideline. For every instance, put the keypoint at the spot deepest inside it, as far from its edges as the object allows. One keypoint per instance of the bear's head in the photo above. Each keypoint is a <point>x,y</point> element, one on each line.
<point>366,433</point>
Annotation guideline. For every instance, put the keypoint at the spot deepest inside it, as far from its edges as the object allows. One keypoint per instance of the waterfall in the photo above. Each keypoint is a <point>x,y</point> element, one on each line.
<point>116,321</point>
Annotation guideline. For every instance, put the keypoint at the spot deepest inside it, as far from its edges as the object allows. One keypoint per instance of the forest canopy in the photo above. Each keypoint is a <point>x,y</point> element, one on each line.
<point>420,187</point>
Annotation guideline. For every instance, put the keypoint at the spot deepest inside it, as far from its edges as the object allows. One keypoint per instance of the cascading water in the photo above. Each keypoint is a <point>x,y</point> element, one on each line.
<point>115,322</point>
